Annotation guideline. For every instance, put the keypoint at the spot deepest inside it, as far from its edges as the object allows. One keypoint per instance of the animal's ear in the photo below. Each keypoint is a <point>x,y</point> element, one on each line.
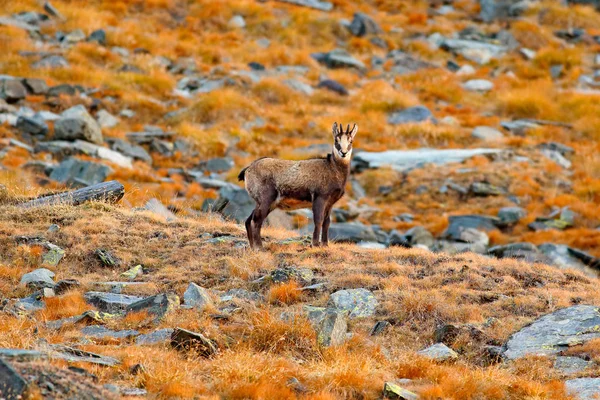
<point>353,131</point>
<point>334,129</point>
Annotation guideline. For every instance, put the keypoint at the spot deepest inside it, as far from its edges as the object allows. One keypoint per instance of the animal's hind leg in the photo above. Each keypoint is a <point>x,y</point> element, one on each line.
<point>249,230</point>
<point>259,215</point>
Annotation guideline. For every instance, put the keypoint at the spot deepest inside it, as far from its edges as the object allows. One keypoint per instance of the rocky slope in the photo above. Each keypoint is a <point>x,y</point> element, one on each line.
<point>478,134</point>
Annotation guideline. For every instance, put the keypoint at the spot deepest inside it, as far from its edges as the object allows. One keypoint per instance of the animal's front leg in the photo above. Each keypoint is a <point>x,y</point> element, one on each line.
<point>326,223</point>
<point>318,219</point>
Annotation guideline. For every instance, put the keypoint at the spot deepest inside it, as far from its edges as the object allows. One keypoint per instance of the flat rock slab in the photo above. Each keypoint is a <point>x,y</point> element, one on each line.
<point>12,384</point>
<point>405,160</point>
<point>22,355</point>
<point>157,305</point>
<point>71,354</point>
<point>351,233</point>
<point>584,388</point>
<point>555,332</point>
<point>101,332</point>
<point>110,302</point>
<point>158,336</point>
<point>571,365</point>
<point>356,302</point>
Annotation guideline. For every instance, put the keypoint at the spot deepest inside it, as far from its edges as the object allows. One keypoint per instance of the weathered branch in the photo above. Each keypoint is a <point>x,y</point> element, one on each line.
<point>110,192</point>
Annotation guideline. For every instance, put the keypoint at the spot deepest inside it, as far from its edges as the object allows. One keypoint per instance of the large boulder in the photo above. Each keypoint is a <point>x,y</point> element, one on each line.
<point>239,204</point>
<point>584,388</point>
<point>76,123</point>
<point>74,172</point>
<point>555,332</point>
<point>356,302</point>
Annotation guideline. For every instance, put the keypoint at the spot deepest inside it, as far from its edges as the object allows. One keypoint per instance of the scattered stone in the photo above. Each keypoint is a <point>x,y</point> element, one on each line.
<point>53,255</point>
<point>101,332</point>
<point>107,258</point>
<point>35,86</point>
<point>197,297</point>
<point>352,232</point>
<point>62,89</point>
<point>439,352</point>
<point>76,123</point>
<point>511,215</point>
<point>238,204</point>
<point>330,325</point>
<point>458,223</point>
<point>74,172</point>
<point>584,388</point>
<point>406,160</point>
<point>448,333</point>
<point>98,36</point>
<point>106,119</point>
<point>40,278</point>
<point>304,276</point>
<point>51,62</point>
<point>158,305</point>
<point>71,354</point>
<point>571,365</point>
<point>473,50</point>
<point>486,133</point>
<point>159,336</point>
<point>555,332</point>
<point>12,384</point>
<point>32,126</point>
<point>110,302</point>
<point>356,302</point>
<point>130,150</point>
<point>338,58</point>
<point>188,340</point>
<point>561,256</point>
<point>333,86</point>
<point>237,21</point>
<point>316,4</point>
<point>411,115</point>
<point>21,355</point>
<point>478,85</point>
<point>486,189</point>
<point>241,294</point>
<point>394,391</point>
<point>299,86</point>
<point>466,70</point>
<point>12,90</point>
<point>74,36</point>
<point>557,158</point>
<point>362,25</point>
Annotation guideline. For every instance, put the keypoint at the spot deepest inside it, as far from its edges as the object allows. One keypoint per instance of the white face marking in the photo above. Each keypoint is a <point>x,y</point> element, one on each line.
<point>343,148</point>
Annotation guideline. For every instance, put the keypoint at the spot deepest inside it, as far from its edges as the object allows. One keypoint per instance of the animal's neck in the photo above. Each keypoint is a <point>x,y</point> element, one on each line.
<point>342,164</point>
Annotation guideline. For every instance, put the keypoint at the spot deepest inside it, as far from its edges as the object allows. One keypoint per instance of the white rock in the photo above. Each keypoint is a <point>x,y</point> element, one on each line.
<point>478,85</point>
<point>106,119</point>
<point>486,133</point>
<point>237,21</point>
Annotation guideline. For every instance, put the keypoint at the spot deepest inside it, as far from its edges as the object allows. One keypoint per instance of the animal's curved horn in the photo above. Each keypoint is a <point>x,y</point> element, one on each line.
<point>341,128</point>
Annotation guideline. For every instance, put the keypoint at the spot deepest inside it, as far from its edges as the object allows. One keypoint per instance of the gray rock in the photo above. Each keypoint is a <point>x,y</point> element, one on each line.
<point>404,63</point>
<point>40,278</point>
<point>62,89</point>
<point>556,71</point>
<point>74,37</point>
<point>316,4</point>
<point>158,305</point>
<point>21,355</point>
<point>239,203</point>
<point>7,21</point>
<point>415,236</point>
<point>362,25</point>
<point>478,85</point>
<point>561,148</point>
<point>110,302</point>
<point>53,255</point>
<point>557,157</point>
<point>492,10</point>
<point>459,223</point>
<point>35,86</point>
<point>12,90</point>
<point>101,332</point>
<point>584,388</point>
<point>74,172</point>
<point>32,125</point>
<point>338,58</point>
<point>77,123</point>
<point>518,127</point>
<point>241,294</point>
<point>237,21</point>
<point>571,365</point>
<point>406,160</point>
<point>333,86</point>
<point>473,50</point>
<point>12,385</point>
<point>219,164</point>
<point>396,392</point>
<point>524,251</point>
<point>158,336</point>
<point>131,150</point>
<point>304,276</point>
<point>555,332</point>
<point>106,119</point>
<point>50,62</point>
<point>561,256</point>
<point>486,133</point>
<point>98,36</point>
<point>182,339</point>
<point>65,148</point>
<point>71,354</point>
<point>356,302</point>
<point>438,352</point>
<point>330,325</point>
<point>351,232</point>
<point>379,328</point>
<point>196,296</point>
<point>511,215</point>
<point>410,115</point>
<point>299,86</point>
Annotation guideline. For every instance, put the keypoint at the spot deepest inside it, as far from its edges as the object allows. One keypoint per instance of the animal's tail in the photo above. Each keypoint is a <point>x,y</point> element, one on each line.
<point>242,175</point>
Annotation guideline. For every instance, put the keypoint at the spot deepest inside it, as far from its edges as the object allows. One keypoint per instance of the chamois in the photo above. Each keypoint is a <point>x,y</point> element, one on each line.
<point>290,185</point>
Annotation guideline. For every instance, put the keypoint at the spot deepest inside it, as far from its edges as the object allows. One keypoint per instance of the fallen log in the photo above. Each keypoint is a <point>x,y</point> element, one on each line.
<point>109,192</point>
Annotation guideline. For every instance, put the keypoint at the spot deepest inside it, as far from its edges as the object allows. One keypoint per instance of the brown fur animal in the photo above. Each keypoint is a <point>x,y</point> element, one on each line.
<point>289,185</point>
